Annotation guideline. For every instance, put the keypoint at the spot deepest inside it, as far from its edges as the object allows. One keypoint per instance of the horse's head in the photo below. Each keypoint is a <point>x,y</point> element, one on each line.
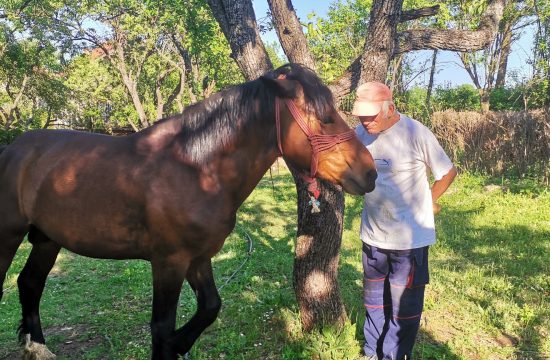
<point>312,136</point>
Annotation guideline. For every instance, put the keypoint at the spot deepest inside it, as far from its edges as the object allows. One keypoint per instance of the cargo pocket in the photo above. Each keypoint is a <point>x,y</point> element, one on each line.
<point>408,285</point>
<point>420,272</point>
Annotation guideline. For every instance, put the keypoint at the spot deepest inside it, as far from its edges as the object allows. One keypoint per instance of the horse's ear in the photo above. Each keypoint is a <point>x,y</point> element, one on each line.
<point>281,87</point>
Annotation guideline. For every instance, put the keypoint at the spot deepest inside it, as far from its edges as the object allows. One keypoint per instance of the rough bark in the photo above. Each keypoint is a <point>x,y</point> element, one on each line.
<point>289,31</point>
<point>238,23</point>
<point>319,237</point>
<point>414,14</point>
<point>457,40</point>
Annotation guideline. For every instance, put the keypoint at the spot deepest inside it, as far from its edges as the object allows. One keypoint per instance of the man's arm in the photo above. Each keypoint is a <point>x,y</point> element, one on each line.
<point>440,186</point>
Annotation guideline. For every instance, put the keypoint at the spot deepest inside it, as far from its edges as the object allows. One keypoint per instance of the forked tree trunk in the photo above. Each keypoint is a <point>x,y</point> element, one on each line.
<point>317,252</point>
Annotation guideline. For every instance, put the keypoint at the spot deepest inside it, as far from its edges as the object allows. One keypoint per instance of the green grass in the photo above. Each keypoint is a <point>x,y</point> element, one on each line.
<point>488,297</point>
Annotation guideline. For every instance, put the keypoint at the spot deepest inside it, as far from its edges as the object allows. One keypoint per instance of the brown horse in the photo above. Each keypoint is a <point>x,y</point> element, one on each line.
<point>167,194</point>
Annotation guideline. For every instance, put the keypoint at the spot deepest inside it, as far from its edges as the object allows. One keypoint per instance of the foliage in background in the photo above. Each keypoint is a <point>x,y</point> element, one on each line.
<point>339,38</point>
<point>142,62</point>
<point>53,71</point>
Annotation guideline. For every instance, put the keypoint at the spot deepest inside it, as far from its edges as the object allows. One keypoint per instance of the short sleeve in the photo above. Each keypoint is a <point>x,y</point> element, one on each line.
<point>433,154</point>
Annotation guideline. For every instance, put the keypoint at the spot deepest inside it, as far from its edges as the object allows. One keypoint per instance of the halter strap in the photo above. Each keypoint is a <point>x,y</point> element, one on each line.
<point>319,142</point>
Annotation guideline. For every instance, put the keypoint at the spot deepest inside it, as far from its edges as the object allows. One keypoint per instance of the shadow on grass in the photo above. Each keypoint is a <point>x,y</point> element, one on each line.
<point>108,302</point>
<point>509,260</point>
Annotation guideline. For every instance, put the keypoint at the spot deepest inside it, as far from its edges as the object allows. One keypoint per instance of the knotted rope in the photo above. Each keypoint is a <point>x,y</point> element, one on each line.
<point>318,142</point>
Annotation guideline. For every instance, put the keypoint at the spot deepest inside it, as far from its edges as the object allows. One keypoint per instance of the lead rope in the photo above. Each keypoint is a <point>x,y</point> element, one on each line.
<point>248,253</point>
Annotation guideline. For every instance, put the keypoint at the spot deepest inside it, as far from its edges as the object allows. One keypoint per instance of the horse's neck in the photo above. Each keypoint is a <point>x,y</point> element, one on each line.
<point>240,167</point>
<point>236,166</point>
<point>158,136</point>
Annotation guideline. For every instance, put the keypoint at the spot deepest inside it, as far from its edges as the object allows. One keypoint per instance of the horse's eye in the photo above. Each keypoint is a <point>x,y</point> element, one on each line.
<point>327,120</point>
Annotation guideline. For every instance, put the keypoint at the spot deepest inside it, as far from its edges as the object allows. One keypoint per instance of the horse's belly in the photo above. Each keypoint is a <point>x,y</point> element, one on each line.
<point>95,234</point>
<point>102,247</point>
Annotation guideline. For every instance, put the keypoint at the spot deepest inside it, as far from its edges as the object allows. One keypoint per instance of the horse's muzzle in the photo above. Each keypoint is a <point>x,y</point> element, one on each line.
<point>360,185</point>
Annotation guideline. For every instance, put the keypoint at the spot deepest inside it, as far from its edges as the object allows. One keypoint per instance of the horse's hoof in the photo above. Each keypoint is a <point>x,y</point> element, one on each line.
<point>36,351</point>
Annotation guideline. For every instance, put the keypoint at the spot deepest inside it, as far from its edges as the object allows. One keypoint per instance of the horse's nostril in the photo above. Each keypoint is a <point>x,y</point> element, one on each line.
<point>372,175</point>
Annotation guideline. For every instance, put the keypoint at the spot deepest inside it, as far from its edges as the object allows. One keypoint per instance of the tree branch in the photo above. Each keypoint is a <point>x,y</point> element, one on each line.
<point>290,33</point>
<point>418,13</point>
<point>455,40</point>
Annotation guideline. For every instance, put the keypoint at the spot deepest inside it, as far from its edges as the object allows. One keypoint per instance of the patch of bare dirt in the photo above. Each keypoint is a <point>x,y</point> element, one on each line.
<point>74,341</point>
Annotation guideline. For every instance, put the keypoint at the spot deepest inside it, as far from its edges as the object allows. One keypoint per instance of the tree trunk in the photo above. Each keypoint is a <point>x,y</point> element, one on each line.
<point>130,83</point>
<point>238,23</point>
<point>138,105</point>
<point>484,95</point>
<point>289,31</point>
<point>506,47</point>
<point>431,82</point>
<point>379,49</point>
<point>317,255</point>
<point>317,252</point>
<point>10,113</point>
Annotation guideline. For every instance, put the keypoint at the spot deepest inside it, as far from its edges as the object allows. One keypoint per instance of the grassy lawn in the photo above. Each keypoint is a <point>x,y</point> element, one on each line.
<point>488,297</point>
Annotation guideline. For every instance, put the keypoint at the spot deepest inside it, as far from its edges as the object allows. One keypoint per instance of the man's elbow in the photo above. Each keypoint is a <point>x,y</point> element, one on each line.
<point>452,174</point>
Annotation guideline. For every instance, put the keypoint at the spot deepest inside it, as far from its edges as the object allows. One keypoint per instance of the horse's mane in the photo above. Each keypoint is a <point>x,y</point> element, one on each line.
<point>213,123</point>
<point>318,96</point>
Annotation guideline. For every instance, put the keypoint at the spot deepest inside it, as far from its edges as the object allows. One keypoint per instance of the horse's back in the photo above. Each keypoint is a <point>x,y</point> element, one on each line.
<point>35,155</point>
<point>34,148</point>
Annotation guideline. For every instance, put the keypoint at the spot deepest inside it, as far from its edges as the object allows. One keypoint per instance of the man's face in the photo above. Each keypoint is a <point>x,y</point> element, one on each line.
<point>380,122</point>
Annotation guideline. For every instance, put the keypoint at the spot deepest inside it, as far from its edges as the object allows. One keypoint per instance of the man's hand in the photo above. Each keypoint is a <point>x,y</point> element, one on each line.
<point>440,186</point>
<point>436,207</point>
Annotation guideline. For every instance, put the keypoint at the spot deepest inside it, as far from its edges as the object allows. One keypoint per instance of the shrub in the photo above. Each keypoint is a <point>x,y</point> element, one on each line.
<point>497,143</point>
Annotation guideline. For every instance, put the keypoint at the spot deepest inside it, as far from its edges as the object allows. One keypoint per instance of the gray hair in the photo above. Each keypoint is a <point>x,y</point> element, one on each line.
<point>386,106</point>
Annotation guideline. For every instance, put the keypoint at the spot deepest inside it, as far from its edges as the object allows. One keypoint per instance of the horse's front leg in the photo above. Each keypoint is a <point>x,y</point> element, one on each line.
<point>208,305</point>
<point>168,275</point>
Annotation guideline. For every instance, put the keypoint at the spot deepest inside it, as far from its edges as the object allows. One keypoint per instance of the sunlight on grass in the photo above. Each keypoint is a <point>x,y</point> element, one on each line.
<point>61,261</point>
<point>487,298</point>
<point>225,256</point>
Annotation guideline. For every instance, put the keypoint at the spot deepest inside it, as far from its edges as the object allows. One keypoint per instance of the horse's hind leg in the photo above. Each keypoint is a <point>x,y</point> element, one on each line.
<point>201,279</point>
<point>31,283</point>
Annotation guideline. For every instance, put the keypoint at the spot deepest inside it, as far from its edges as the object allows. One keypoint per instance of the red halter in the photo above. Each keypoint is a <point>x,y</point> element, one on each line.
<point>319,142</point>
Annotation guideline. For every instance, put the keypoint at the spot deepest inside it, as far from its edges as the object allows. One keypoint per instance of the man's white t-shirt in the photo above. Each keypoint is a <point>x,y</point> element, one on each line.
<point>398,214</point>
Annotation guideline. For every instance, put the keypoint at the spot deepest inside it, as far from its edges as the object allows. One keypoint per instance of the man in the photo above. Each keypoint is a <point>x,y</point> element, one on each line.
<point>397,222</point>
